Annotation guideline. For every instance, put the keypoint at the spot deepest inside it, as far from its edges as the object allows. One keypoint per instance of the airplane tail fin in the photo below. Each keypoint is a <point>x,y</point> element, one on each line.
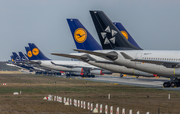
<point>110,36</point>
<point>126,34</point>
<point>82,38</point>
<point>16,57</point>
<point>37,52</point>
<point>12,58</point>
<point>29,54</point>
<point>23,57</point>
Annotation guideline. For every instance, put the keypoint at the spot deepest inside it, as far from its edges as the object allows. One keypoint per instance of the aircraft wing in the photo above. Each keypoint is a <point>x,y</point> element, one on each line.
<point>75,66</point>
<point>69,66</point>
<point>34,62</point>
<point>70,56</point>
<point>109,55</point>
<point>107,62</point>
<point>168,64</point>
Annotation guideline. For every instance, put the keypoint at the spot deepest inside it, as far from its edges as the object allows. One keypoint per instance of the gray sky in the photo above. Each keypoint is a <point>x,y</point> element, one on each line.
<point>154,24</point>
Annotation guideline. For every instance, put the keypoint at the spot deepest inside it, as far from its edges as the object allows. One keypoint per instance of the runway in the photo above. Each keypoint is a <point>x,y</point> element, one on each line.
<point>141,82</point>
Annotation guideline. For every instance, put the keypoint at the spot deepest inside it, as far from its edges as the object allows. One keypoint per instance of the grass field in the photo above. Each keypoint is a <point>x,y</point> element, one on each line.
<point>35,87</point>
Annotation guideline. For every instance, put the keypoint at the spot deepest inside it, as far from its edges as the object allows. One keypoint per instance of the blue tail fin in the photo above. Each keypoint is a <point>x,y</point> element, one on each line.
<point>36,52</point>
<point>82,38</point>
<point>126,34</point>
<point>12,58</point>
<point>23,57</point>
<point>16,57</point>
<point>29,54</point>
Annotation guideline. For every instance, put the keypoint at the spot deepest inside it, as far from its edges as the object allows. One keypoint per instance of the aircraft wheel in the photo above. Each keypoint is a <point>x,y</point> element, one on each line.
<point>166,84</point>
<point>67,75</point>
<point>137,76</point>
<point>173,84</point>
<point>91,76</point>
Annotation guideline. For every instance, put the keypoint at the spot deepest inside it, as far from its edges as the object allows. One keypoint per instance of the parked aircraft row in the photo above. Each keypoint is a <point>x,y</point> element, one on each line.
<point>119,53</point>
<point>37,61</point>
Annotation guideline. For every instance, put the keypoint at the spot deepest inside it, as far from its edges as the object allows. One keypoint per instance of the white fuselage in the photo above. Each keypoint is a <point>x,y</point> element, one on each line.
<point>173,56</point>
<point>114,68</point>
<point>64,65</point>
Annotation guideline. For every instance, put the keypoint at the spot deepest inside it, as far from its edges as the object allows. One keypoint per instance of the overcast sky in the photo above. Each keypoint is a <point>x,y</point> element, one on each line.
<point>154,24</point>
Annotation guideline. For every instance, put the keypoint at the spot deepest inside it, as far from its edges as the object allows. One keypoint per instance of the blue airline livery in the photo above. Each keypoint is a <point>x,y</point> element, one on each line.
<point>36,52</point>
<point>16,56</point>
<point>29,54</point>
<point>82,38</point>
<point>126,34</point>
<point>23,57</point>
<point>90,43</point>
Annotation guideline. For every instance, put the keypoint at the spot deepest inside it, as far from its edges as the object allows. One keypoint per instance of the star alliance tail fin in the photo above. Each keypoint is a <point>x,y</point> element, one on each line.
<point>110,36</point>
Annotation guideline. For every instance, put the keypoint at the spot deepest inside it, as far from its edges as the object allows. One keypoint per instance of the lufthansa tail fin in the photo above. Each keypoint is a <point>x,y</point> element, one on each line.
<point>16,57</point>
<point>126,34</point>
<point>23,57</point>
<point>82,38</point>
<point>12,58</point>
<point>29,54</point>
<point>110,36</point>
<point>37,52</point>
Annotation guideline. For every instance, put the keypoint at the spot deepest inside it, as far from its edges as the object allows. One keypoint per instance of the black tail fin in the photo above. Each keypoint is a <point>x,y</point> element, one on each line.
<point>109,35</point>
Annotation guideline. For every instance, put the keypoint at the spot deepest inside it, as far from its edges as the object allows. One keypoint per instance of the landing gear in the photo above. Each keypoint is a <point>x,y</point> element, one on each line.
<point>68,75</point>
<point>173,83</point>
<point>121,75</point>
<point>167,84</point>
<point>88,76</point>
<point>137,76</point>
<point>93,76</point>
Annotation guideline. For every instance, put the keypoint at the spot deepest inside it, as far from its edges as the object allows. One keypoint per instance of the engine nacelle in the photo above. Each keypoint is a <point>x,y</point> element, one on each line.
<point>76,73</point>
<point>141,73</point>
<point>100,72</point>
<point>177,72</point>
<point>97,72</point>
<point>77,70</point>
<point>106,72</point>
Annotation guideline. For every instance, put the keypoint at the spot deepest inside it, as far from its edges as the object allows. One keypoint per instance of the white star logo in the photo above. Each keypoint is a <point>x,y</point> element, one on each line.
<point>104,35</point>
